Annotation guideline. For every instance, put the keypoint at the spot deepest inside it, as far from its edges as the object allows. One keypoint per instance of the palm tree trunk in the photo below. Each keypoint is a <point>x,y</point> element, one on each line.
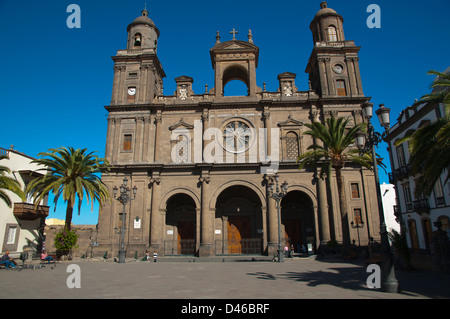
<point>69,212</point>
<point>343,210</point>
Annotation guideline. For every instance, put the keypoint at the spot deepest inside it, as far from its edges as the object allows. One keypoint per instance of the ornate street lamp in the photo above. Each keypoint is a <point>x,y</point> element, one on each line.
<point>277,194</point>
<point>358,225</point>
<point>366,143</point>
<point>123,198</point>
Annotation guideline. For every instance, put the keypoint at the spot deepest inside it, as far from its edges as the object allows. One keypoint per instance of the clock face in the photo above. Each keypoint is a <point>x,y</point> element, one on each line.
<point>131,91</point>
<point>338,68</point>
<point>237,136</point>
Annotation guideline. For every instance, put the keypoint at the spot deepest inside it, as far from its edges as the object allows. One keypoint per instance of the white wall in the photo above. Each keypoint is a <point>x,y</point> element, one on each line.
<point>26,230</point>
<point>389,200</point>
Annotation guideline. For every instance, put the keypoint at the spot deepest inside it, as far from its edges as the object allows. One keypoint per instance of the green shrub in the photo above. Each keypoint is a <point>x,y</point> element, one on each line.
<point>66,240</point>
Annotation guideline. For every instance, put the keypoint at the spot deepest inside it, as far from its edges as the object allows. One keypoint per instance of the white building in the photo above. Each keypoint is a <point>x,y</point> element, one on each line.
<point>21,226</point>
<point>418,215</point>
<point>389,202</point>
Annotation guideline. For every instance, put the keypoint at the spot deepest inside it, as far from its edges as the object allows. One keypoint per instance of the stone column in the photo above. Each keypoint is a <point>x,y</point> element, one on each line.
<point>267,127</point>
<point>351,77</point>
<point>110,138</point>
<point>358,75</point>
<point>121,92</point>
<point>139,139</point>
<point>322,196</point>
<point>273,220</point>
<point>158,121</point>
<point>206,222</point>
<point>115,89</point>
<point>146,138</point>
<point>155,218</point>
<point>225,234</point>
<point>116,148</point>
<point>323,79</point>
<point>323,211</point>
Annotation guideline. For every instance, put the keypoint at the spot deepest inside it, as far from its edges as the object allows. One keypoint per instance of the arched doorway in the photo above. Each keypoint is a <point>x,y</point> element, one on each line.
<point>297,221</point>
<point>180,228</point>
<point>238,222</point>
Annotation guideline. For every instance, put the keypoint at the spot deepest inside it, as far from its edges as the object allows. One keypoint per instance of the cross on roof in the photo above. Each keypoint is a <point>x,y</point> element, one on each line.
<point>234,34</point>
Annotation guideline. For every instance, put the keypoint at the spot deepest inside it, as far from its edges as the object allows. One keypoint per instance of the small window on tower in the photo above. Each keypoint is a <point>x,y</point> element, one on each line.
<point>332,35</point>
<point>137,40</point>
<point>127,138</point>
<point>340,86</point>
<point>355,190</point>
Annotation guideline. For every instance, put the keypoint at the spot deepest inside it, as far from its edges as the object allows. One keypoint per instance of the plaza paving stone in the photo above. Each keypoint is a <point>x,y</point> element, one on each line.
<point>172,278</point>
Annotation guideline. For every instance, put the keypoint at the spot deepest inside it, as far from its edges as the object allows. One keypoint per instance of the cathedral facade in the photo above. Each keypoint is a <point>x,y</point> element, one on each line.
<point>203,163</point>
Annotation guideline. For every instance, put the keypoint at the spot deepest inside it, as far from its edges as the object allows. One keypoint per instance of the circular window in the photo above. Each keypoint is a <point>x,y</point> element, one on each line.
<point>237,136</point>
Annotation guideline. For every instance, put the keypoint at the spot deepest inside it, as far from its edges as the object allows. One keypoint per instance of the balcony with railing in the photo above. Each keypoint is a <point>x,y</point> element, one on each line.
<point>28,211</point>
<point>400,173</point>
<point>422,206</point>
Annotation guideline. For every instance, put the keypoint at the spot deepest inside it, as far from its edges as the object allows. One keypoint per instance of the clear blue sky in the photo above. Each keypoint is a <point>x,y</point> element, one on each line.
<point>55,81</point>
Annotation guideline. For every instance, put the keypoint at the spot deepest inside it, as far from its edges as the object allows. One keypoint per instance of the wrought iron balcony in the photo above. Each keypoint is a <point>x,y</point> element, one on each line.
<point>402,172</point>
<point>422,206</point>
<point>28,211</point>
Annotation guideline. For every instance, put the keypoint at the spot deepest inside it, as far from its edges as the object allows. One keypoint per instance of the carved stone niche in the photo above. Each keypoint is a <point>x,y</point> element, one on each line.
<point>287,84</point>
<point>184,87</point>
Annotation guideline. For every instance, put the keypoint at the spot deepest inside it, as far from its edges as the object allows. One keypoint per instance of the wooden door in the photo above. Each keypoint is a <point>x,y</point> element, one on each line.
<point>239,229</point>
<point>293,232</point>
<point>186,237</point>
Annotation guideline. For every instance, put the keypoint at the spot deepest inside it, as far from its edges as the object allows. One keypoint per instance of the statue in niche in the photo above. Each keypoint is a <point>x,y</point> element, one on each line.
<point>183,92</point>
<point>287,89</point>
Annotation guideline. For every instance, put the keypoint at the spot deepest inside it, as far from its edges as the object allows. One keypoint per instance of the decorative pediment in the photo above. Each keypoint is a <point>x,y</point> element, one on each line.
<point>290,122</point>
<point>235,45</point>
<point>181,125</point>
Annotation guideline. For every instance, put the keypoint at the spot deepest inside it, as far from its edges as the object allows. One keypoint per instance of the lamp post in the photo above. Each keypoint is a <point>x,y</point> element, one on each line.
<point>277,194</point>
<point>365,144</point>
<point>124,198</point>
<point>358,225</point>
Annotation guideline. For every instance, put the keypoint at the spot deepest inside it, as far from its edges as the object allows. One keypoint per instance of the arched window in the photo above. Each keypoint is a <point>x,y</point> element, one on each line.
<point>332,35</point>
<point>137,40</point>
<point>413,234</point>
<point>340,86</point>
<point>236,80</point>
<point>292,146</point>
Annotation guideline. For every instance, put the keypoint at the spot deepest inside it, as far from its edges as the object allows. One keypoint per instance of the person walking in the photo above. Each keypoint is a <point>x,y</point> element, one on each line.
<point>155,256</point>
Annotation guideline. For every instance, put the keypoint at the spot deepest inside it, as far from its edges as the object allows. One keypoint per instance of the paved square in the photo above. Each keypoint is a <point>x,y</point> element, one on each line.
<point>293,279</point>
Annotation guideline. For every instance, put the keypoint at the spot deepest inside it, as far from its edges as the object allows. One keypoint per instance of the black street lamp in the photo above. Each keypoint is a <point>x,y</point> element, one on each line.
<point>358,225</point>
<point>277,194</point>
<point>124,198</point>
<point>367,142</point>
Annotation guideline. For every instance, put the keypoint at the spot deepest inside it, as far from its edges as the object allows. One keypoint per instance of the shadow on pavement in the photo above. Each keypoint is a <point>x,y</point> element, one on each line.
<point>412,283</point>
<point>353,278</point>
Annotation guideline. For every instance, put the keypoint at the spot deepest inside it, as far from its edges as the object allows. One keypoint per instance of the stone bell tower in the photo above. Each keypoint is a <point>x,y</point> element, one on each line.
<point>333,66</point>
<point>235,60</point>
<point>138,72</point>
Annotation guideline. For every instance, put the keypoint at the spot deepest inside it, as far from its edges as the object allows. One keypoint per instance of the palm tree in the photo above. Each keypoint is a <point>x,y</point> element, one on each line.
<point>429,145</point>
<point>72,174</point>
<point>440,93</point>
<point>335,154</point>
<point>7,183</point>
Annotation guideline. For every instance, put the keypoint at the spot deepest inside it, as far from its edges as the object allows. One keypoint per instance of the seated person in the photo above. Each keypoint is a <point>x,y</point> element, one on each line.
<point>7,261</point>
<point>46,257</point>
